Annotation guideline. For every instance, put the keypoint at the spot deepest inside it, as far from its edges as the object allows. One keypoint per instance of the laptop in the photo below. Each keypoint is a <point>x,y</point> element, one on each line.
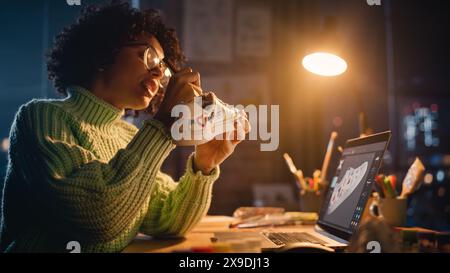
<point>346,198</point>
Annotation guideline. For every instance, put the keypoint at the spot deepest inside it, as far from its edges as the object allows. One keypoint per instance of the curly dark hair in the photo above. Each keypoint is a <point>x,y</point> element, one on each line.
<point>94,40</point>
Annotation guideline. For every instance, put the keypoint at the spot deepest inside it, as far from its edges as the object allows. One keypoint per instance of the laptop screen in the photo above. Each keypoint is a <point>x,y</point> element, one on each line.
<point>352,184</point>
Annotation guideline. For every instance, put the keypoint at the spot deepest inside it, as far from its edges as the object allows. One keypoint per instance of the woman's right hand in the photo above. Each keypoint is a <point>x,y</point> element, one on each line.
<point>182,88</point>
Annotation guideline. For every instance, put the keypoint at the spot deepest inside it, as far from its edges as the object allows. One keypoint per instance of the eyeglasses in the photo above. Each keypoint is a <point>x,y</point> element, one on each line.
<point>152,60</point>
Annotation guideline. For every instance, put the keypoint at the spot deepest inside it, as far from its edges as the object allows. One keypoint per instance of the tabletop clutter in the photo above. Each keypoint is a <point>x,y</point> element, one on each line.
<point>312,189</point>
<point>246,218</point>
<point>422,240</point>
<point>249,217</point>
<point>390,204</point>
<point>386,186</point>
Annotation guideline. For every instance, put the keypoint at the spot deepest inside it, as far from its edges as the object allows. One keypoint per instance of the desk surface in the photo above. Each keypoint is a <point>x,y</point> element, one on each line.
<point>200,236</point>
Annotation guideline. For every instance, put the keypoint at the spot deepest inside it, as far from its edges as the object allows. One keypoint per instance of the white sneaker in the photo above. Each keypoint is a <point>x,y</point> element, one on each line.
<point>205,121</point>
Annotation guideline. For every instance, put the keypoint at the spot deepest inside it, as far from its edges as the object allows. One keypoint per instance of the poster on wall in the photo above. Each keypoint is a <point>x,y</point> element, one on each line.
<point>207,30</point>
<point>253,31</point>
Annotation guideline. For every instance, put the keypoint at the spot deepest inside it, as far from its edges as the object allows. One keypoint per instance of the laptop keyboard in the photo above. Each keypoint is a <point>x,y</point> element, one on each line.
<point>284,238</point>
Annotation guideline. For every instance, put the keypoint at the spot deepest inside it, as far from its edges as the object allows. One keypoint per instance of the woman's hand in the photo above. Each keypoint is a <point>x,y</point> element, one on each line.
<point>207,156</point>
<point>182,88</point>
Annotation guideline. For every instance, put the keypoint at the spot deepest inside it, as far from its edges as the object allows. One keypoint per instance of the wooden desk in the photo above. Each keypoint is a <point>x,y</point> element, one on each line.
<point>200,236</point>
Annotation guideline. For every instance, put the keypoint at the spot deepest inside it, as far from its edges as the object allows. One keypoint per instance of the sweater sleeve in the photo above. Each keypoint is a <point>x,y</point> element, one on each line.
<point>175,208</point>
<point>91,200</point>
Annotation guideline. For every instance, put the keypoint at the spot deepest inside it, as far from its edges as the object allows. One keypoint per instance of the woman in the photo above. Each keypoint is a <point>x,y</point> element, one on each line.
<point>77,171</point>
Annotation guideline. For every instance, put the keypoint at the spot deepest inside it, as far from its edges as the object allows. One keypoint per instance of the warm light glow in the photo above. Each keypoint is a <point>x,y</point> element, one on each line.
<point>428,178</point>
<point>4,147</point>
<point>324,64</point>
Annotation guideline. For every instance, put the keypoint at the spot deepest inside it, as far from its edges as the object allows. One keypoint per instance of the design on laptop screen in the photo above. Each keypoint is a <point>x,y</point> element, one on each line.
<point>351,186</point>
<point>352,178</point>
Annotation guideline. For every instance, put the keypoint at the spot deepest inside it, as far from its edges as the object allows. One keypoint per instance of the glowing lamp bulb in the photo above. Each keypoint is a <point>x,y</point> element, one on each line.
<point>324,64</point>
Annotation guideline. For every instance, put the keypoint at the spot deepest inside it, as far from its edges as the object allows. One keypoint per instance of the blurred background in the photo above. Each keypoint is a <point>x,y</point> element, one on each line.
<point>250,52</point>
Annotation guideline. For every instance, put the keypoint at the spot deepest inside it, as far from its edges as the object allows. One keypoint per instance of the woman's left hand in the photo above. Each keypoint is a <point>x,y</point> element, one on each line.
<point>209,155</point>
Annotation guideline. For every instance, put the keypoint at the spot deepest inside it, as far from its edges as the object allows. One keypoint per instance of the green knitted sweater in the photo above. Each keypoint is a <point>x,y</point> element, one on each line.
<point>78,172</point>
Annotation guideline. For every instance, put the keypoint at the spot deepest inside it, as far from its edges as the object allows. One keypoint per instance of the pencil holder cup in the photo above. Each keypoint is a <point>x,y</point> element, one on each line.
<point>311,201</point>
<point>391,210</point>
